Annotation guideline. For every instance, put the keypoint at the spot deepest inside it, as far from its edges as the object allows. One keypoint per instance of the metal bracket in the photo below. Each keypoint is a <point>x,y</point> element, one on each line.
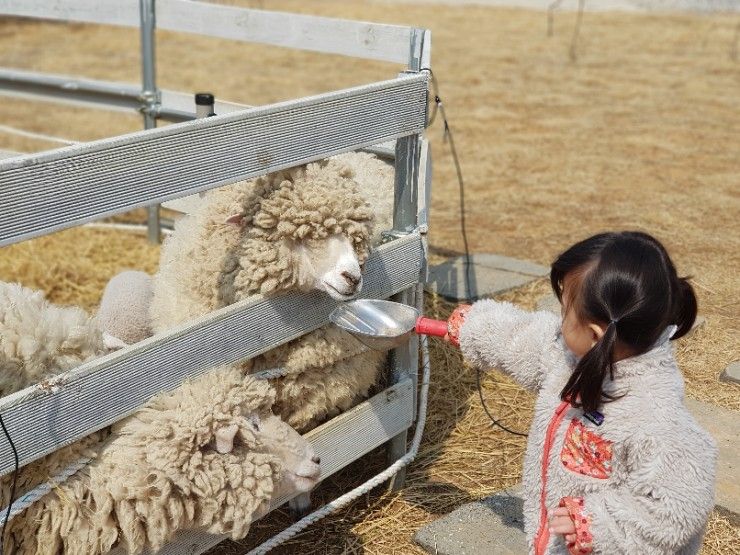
<point>151,103</point>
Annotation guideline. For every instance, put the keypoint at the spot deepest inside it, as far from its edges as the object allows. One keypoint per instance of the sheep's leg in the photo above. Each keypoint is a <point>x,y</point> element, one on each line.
<point>300,505</point>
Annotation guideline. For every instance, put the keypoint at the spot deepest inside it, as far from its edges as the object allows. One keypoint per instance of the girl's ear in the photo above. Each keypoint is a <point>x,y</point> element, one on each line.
<point>597,332</point>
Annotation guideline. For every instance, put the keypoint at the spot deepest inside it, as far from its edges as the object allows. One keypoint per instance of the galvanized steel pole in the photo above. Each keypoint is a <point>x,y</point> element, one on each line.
<point>149,95</point>
<point>405,359</point>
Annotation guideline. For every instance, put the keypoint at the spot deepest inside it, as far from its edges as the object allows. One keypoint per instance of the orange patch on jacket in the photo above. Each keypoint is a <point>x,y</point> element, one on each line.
<point>585,452</point>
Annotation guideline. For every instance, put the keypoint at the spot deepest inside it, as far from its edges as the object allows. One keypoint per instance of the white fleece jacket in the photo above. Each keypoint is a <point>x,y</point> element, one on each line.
<point>643,479</point>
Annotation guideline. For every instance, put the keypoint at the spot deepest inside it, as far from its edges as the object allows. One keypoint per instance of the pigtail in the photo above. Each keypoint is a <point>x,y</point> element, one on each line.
<point>584,387</point>
<point>685,308</point>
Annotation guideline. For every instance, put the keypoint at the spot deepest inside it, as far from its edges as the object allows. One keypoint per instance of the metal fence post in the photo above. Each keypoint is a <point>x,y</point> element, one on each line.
<point>149,95</point>
<point>405,359</point>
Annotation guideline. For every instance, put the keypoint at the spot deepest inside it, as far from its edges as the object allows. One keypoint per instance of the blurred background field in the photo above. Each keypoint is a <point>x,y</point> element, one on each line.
<point>636,125</point>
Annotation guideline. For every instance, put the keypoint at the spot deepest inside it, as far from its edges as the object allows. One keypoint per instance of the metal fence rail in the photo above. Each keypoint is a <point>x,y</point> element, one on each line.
<point>57,189</point>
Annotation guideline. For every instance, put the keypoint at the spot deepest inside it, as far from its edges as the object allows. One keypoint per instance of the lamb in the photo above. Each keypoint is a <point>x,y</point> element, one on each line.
<point>304,228</point>
<point>208,455</point>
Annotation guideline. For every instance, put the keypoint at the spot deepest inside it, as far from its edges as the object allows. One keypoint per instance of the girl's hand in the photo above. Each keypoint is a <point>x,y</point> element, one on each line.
<point>559,522</point>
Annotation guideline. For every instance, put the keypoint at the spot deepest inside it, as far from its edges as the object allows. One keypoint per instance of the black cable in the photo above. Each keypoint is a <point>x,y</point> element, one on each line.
<point>485,408</point>
<point>447,137</point>
<point>12,487</point>
<point>438,106</point>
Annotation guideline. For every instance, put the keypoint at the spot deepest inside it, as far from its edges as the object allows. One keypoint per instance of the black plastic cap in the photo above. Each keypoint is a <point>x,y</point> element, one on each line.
<point>204,99</point>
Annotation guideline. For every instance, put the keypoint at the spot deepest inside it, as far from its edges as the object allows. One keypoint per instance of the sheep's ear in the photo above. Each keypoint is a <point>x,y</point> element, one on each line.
<point>237,220</point>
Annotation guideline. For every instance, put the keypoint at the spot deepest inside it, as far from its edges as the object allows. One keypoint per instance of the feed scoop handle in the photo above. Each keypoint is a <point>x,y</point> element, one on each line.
<point>440,328</point>
<point>429,326</point>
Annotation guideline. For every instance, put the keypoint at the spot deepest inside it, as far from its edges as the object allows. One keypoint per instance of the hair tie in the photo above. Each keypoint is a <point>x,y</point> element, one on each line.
<point>613,321</point>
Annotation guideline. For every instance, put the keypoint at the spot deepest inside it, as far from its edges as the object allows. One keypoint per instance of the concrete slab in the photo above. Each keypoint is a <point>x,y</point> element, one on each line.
<point>491,525</point>
<point>489,274</point>
<point>731,373</point>
<point>724,426</point>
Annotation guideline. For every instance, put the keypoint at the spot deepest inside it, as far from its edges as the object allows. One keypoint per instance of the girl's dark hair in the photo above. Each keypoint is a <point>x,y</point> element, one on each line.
<point>628,283</point>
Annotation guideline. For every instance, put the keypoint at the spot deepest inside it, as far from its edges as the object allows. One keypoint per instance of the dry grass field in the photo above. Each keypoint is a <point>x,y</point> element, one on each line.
<point>640,131</point>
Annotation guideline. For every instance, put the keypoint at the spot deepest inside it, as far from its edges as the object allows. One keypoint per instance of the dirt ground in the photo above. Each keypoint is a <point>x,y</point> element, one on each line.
<point>639,130</point>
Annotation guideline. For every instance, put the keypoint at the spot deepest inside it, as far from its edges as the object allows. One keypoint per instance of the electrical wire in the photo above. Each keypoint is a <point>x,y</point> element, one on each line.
<point>485,408</point>
<point>448,138</point>
<point>12,487</point>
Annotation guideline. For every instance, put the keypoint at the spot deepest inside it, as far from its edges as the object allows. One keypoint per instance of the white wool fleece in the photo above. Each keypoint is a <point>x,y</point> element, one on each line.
<point>655,494</point>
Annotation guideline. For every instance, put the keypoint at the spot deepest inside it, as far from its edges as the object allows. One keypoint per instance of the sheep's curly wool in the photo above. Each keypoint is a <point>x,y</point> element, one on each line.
<point>160,472</point>
<point>207,264</point>
<point>39,339</point>
<point>288,207</point>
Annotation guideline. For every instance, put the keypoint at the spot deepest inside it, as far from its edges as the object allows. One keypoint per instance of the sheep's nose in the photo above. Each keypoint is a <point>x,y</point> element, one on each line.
<point>316,459</point>
<point>351,279</point>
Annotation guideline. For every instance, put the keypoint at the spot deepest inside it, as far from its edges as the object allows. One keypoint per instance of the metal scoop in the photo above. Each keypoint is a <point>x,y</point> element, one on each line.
<point>384,325</point>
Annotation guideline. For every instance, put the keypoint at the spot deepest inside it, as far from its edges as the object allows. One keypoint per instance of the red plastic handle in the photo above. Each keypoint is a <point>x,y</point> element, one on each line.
<point>429,326</point>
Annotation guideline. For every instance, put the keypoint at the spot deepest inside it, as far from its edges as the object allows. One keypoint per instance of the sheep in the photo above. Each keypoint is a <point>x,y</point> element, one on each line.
<point>376,180</point>
<point>39,339</point>
<point>305,228</point>
<point>208,455</point>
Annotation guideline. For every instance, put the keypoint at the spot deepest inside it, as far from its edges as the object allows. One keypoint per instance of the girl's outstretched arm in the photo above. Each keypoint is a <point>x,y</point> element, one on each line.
<point>664,506</point>
<point>500,335</point>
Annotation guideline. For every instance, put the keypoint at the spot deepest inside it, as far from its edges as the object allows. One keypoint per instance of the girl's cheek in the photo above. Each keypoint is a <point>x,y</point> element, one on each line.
<point>576,344</point>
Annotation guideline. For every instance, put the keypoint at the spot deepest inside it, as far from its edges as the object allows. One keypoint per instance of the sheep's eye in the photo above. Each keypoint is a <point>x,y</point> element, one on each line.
<point>254,420</point>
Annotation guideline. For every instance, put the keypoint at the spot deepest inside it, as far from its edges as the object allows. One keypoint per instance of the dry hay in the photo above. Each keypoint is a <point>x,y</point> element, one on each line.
<point>641,132</point>
<point>73,266</point>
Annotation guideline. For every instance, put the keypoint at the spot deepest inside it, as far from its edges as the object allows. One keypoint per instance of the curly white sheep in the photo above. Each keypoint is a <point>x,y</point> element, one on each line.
<point>39,339</point>
<point>300,229</point>
<point>208,455</point>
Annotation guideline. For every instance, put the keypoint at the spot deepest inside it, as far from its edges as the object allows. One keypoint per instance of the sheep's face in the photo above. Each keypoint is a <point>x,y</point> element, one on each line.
<point>217,433</point>
<point>300,463</point>
<point>265,433</point>
<point>307,228</point>
<point>330,265</point>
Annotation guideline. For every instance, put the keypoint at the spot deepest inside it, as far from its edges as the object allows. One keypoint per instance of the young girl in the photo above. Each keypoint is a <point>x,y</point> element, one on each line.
<point>615,463</point>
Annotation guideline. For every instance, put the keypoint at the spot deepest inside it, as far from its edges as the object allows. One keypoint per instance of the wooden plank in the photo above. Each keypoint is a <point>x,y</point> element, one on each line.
<point>57,189</point>
<point>63,409</point>
<point>110,12</point>
<point>373,41</point>
<point>339,442</point>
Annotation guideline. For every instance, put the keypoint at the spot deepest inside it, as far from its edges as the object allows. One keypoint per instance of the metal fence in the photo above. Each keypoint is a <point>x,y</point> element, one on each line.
<point>85,182</point>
